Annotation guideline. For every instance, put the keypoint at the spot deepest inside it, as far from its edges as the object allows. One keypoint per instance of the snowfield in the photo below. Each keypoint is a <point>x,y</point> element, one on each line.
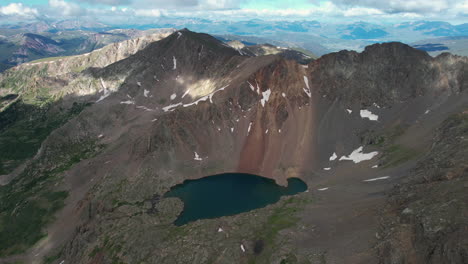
<point>369,115</point>
<point>357,155</point>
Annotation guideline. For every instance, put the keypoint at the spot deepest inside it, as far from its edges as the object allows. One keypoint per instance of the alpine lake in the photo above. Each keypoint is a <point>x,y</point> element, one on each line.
<point>229,194</point>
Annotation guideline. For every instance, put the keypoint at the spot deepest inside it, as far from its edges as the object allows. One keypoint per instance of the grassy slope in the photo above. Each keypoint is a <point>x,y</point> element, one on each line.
<point>24,128</point>
<point>29,202</point>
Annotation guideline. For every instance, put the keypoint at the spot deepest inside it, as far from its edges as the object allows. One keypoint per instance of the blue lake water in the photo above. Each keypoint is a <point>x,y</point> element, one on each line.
<point>229,194</point>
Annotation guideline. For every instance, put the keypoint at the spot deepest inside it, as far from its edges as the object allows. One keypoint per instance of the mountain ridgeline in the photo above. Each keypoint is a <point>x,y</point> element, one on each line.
<point>117,131</point>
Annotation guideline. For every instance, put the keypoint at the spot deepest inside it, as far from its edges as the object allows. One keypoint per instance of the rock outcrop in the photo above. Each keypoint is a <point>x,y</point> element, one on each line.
<point>425,221</point>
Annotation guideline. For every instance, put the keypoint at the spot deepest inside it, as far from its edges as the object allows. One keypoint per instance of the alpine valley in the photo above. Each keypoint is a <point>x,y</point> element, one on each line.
<point>90,144</point>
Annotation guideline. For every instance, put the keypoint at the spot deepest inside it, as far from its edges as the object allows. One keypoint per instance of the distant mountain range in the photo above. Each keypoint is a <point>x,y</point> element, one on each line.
<point>435,46</point>
<point>318,37</point>
<point>25,42</point>
<point>37,44</point>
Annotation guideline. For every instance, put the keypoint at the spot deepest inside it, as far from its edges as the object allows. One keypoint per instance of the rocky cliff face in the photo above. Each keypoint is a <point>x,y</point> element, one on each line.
<point>189,106</point>
<point>425,222</point>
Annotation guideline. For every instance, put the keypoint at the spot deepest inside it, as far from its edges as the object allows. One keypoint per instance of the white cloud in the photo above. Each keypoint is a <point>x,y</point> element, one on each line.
<point>163,4</point>
<point>324,9</point>
<point>403,6</point>
<point>148,12</point>
<point>329,10</point>
<point>18,9</point>
<point>462,7</point>
<point>107,2</point>
<point>362,11</point>
<point>66,8</point>
<point>217,4</point>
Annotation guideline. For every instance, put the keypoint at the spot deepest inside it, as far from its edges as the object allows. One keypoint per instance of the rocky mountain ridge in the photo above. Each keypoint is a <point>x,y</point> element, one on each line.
<point>26,47</point>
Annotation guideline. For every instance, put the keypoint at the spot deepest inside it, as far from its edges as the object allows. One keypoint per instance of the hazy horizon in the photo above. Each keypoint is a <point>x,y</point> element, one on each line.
<point>123,12</point>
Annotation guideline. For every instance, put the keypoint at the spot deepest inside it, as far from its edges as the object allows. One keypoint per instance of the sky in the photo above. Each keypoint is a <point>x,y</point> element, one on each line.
<point>119,11</point>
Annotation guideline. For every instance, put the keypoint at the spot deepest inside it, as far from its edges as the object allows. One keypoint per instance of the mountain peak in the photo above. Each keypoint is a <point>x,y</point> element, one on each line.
<point>391,47</point>
<point>186,43</point>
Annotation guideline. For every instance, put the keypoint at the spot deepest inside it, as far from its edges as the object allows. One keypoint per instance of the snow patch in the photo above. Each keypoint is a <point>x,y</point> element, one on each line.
<point>171,107</point>
<point>106,92</point>
<point>220,230</point>
<point>258,87</point>
<point>251,86</point>
<point>375,166</point>
<point>266,95</point>
<point>307,91</point>
<point>427,111</point>
<point>186,92</point>
<point>146,93</point>
<point>173,96</point>
<point>323,189</point>
<point>144,108</point>
<point>104,96</point>
<point>154,120</point>
<point>368,114</point>
<point>283,94</point>
<point>377,179</point>
<point>349,111</point>
<point>333,156</point>
<point>175,62</point>
<point>357,156</point>
<point>180,34</point>
<point>202,99</point>
<point>206,97</point>
<point>242,248</point>
<point>306,80</point>
<point>128,102</point>
<point>327,169</point>
<point>196,156</point>
<point>266,131</point>
<point>139,84</point>
<point>250,126</point>
<point>232,129</point>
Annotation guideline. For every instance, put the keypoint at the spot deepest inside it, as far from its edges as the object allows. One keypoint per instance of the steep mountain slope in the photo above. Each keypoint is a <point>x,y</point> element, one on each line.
<point>33,46</point>
<point>351,125</point>
<point>31,98</point>
<point>426,219</point>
